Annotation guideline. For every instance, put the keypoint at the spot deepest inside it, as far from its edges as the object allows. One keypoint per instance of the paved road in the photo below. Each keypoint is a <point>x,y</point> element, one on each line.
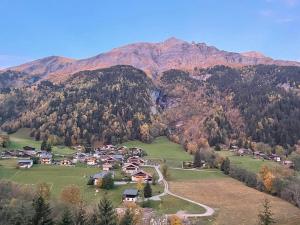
<point>209,211</point>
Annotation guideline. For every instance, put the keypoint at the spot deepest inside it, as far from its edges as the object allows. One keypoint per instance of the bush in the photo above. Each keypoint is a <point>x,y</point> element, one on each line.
<point>249,178</point>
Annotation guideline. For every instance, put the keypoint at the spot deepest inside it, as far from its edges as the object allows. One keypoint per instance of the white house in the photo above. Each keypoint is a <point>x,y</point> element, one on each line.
<point>25,163</point>
<point>130,168</point>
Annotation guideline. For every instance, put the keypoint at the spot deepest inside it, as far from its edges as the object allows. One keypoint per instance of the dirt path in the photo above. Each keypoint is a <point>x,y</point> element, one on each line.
<point>209,211</point>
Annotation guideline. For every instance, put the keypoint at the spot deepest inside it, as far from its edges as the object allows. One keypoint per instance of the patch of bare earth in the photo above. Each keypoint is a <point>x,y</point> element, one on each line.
<point>235,203</point>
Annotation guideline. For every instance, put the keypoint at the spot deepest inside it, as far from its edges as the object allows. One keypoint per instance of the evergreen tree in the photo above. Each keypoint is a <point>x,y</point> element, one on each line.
<point>225,166</point>
<point>197,159</point>
<point>48,147</point>
<point>106,213</point>
<point>80,216</point>
<point>266,216</point>
<point>127,219</point>
<point>107,182</point>
<point>66,218</point>
<point>42,212</point>
<point>93,219</point>
<point>147,190</point>
<point>44,145</point>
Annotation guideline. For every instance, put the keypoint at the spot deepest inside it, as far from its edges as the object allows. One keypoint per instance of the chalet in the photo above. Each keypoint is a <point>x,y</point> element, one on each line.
<point>141,175</point>
<point>118,157</point>
<point>109,159</point>
<point>65,162</point>
<point>135,151</point>
<point>136,160</point>
<point>275,157</point>
<point>288,164</point>
<point>80,157</point>
<point>79,148</point>
<point>130,195</point>
<point>130,168</point>
<point>107,167</point>
<point>91,161</point>
<point>98,176</point>
<point>25,163</point>
<point>46,158</point>
<point>28,148</point>
<point>30,153</point>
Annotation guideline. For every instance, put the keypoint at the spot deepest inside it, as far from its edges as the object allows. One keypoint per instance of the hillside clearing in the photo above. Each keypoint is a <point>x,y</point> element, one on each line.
<point>247,162</point>
<point>21,138</point>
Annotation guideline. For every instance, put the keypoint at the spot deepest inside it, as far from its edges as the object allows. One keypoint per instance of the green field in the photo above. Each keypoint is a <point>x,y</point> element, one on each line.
<point>163,149</point>
<point>21,138</point>
<point>181,175</point>
<point>59,177</point>
<point>247,162</point>
<point>171,205</point>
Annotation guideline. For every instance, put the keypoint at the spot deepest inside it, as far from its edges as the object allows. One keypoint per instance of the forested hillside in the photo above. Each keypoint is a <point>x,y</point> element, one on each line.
<point>108,105</point>
<point>217,105</point>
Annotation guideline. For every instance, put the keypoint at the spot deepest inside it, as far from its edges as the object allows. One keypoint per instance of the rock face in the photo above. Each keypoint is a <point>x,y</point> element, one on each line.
<point>153,58</point>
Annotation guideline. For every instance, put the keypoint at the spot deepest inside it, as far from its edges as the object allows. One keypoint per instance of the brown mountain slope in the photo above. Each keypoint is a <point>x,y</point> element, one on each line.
<point>153,58</point>
<point>43,66</point>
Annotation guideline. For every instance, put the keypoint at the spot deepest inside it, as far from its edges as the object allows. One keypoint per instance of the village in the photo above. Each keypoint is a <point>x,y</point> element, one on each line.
<point>128,162</point>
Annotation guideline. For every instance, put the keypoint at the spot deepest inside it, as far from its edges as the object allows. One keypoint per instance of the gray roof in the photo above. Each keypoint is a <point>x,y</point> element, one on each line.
<point>131,192</point>
<point>101,174</point>
<point>25,161</point>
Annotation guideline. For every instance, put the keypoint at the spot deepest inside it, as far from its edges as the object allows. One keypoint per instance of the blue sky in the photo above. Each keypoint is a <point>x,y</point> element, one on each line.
<point>32,29</point>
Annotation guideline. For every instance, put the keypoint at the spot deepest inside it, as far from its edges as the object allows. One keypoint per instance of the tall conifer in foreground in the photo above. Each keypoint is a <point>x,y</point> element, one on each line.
<point>106,213</point>
<point>42,212</point>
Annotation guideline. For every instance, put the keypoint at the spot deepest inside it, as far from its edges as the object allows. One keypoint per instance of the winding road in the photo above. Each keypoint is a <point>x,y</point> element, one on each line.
<point>209,211</point>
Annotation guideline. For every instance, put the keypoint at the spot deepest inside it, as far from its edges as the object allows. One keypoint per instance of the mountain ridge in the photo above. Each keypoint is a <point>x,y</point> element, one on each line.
<point>153,58</point>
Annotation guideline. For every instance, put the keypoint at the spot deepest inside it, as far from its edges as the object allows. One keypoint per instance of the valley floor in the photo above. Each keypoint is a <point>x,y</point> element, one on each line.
<point>233,202</point>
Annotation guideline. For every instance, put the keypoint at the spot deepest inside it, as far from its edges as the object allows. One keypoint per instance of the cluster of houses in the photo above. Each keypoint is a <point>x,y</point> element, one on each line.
<point>262,155</point>
<point>130,167</point>
<point>26,156</point>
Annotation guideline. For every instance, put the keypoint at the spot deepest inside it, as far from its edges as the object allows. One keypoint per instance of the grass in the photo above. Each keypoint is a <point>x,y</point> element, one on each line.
<point>58,177</point>
<point>180,175</point>
<point>21,138</point>
<point>163,149</point>
<point>247,162</point>
<point>171,205</point>
<point>235,203</point>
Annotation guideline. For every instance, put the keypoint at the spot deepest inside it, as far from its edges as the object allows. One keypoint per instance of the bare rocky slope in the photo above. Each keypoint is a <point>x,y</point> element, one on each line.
<point>153,58</point>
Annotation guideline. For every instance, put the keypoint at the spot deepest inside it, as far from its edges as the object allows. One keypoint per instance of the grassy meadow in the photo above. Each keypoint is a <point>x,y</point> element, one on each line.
<point>163,149</point>
<point>247,162</point>
<point>21,138</point>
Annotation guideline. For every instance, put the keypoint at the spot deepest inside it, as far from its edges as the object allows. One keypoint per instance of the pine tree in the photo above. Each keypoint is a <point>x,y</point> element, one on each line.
<point>107,182</point>
<point>266,216</point>
<point>66,218</point>
<point>147,190</point>
<point>80,216</point>
<point>127,219</point>
<point>42,212</point>
<point>225,166</point>
<point>197,159</point>
<point>106,213</point>
<point>48,147</point>
<point>44,145</point>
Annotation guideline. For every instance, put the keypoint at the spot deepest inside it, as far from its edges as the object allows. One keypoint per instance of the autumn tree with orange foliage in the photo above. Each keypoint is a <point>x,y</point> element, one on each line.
<point>175,220</point>
<point>267,178</point>
<point>71,195</point>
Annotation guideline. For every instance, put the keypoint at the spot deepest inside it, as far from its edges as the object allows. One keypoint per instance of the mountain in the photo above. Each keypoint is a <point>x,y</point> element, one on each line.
<point>153,58</point>
<point>43,66</point>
